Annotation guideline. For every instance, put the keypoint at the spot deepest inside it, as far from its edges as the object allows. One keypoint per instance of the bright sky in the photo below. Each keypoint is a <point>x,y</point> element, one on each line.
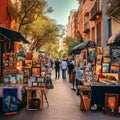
<point>62,10</point>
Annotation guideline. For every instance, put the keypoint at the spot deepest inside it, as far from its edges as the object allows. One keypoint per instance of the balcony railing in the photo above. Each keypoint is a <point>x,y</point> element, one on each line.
<point>86,27</point>
<point>113,8</point>
<point>96,10</point>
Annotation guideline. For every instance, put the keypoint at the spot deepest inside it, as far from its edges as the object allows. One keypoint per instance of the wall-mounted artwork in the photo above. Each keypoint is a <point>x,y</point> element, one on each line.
<point>28,63</point>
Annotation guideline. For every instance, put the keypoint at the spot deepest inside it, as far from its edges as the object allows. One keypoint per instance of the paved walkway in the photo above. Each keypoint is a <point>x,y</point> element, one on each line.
<point>64,105</point>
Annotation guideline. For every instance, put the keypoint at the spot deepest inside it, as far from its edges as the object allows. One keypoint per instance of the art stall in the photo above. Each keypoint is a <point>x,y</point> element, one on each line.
<point>21,76</point>
<point>106,92</point>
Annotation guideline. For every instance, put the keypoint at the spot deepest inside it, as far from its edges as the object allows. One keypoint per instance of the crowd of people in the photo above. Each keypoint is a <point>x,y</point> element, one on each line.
<point>67,66</point>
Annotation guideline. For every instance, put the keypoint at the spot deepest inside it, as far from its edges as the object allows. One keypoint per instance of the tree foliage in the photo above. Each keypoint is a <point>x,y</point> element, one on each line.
<point>42,31</point>
<point>29,10</point>
<point>71,43</point>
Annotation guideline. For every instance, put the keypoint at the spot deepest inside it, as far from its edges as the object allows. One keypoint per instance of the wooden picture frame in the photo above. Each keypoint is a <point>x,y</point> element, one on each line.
<point>28,63</point>
<point>107,60</point>
<point>36,71</point>
<point>99,59</point>
<point>19,78</point>
<point>28,56</point>
<point>27,72</point>
<point>98,69</point>
<point>6,80</point>
<point>114,68</point>
<point>105,67</point>
<point>111,103</point>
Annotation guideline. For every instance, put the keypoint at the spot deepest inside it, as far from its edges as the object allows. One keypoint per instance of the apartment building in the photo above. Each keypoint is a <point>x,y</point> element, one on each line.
<point>72,24</point>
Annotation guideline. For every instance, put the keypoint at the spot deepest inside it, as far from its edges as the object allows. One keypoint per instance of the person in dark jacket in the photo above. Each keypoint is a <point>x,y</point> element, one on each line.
<point>57,69</point>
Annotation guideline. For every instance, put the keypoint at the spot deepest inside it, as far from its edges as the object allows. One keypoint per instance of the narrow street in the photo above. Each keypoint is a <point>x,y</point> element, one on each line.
<point>63,105</point>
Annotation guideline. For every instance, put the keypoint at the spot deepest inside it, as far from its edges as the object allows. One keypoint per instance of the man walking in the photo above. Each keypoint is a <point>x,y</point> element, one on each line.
<point>57,69</point>
<point>64,67</point>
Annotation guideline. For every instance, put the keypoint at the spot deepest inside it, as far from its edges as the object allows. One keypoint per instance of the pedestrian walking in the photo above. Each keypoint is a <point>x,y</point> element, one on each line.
<point>57,69</point>
<point>64,68</point>
<point>70,69</point>
<point>51,63</point>
<point>78,78</point>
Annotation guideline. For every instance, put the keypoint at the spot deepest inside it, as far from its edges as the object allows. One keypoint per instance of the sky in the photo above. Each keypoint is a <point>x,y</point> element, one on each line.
<point>62,10</point>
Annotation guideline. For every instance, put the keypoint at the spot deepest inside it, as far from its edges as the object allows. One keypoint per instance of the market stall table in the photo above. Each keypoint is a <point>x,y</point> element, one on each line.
<point>29,90</point>
<point>98,94</point>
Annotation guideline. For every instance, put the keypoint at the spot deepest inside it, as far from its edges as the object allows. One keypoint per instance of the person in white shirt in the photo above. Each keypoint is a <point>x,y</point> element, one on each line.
<point>64,68</point>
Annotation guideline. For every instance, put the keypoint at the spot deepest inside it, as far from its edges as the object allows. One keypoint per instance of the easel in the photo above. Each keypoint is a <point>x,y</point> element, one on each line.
<point>85,99</point>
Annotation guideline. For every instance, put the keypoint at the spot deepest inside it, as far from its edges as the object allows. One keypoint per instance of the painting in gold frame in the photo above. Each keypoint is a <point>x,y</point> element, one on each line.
<point>36,71</point>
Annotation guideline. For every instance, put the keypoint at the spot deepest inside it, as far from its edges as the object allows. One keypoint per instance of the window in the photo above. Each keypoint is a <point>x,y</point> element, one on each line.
<point>93,34</point>
<point>109,28</point>
<point>99,34</point>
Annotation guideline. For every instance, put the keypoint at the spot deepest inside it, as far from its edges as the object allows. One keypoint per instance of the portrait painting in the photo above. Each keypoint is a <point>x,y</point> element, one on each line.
<point>36,71</point>
<point>111,103</point>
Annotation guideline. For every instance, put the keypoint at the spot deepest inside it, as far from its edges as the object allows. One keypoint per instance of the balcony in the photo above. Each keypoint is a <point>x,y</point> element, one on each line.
<point>113,9</point>
<point>96,10</point>
<point>86,27</point>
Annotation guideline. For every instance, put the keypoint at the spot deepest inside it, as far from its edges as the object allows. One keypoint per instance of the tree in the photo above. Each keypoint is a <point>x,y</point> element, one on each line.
<point>71,43</point>
<point>42,31</point>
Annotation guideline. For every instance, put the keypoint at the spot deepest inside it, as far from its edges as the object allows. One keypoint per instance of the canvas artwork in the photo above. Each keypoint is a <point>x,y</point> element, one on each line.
<point>36,71</point>
<point>91,54</point>
<point>28,63</point>
<point>10,71</point>
<point>105,67</point>
<point>108,60</point>
<point>111,103</point>
<point>19,78</point>
<point>28,56</point>
<point>98,69</point>
<point>9,100</point>
<point>99,59</point>
<point>6,80</point>
<point>12,79</point>
<point>114,69</point>
<point>99,50</point>
<point>27,72</point>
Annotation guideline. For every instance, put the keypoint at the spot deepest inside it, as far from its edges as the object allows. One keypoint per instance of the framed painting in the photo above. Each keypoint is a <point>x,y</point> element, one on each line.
<point>27,72</point>
<point>10,100</point>
<point>19,64</point>
<point>19,78</point>
<point>36,71</point>
<point>12,79</point>
<point>99,59</point>
<point>28,63</point>
<point>6,80</point>
<point>114,69</point>
<point>28,56</point>
<point>91,54</point>
<point>111,103</point>
<point>108,60</point>
<point>105,67</point>
<point>99,50</point>
<point>98,69</point>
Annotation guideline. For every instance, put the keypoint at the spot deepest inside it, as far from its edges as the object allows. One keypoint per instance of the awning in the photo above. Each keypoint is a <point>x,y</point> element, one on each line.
<point>13,35</point>
<point>83,45</point>
<point>114,40</point>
